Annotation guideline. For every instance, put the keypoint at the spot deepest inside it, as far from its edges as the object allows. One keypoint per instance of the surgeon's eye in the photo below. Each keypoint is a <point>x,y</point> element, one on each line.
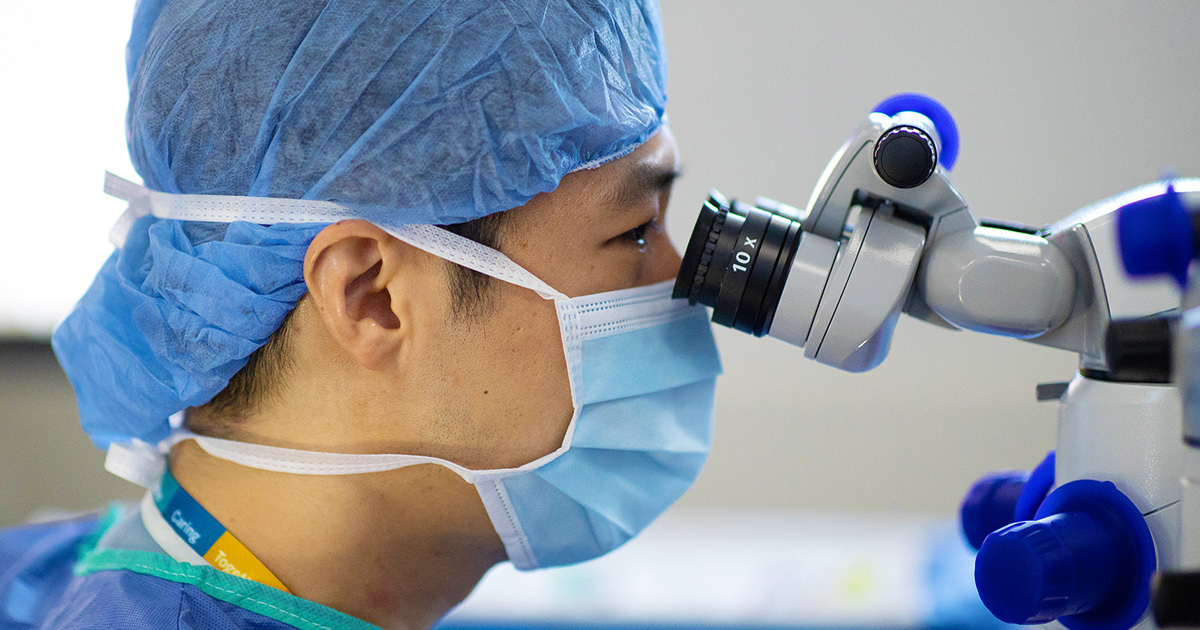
<point>638,234</point>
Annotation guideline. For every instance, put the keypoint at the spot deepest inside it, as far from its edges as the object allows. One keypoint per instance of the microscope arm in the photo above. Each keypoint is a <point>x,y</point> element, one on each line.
<point>1055,288</point>
<point>1060,287</point>
<point>998,281</point>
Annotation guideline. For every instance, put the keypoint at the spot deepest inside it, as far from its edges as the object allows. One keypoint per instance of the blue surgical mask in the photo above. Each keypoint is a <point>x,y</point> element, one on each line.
<point>642,369</point>
<point>643,391</point>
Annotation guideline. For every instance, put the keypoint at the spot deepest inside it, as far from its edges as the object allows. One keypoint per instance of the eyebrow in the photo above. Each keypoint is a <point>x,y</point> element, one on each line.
<point>639,181</point>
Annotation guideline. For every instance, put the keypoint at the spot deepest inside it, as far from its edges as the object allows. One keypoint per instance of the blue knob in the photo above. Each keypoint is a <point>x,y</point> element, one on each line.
<point>1086,561</point>
<point>1036,488</point>
<point>1156,236</point>
<point>1001,498</point>
<point>935,112</point>
<point>1038,571</point>
<point>990,504</point>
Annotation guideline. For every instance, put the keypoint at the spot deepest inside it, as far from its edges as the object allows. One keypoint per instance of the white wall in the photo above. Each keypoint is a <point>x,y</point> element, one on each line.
<point>1058,104</point>
<point>62,100</point>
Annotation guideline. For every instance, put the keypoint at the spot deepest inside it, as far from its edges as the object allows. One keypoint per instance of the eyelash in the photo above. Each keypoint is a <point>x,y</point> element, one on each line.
<point>638,234</point>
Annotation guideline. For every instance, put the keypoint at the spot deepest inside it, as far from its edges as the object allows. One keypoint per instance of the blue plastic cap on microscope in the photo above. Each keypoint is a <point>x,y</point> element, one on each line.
<point>1156,236</point>
<point>991,504</point>
<point>936,113</point>
<point>1086,561</point>
<point>1026,572</point>
<point>1036,488</point>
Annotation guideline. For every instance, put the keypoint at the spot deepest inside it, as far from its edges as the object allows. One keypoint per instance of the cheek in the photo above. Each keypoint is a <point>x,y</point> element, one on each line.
<point>514,386</point>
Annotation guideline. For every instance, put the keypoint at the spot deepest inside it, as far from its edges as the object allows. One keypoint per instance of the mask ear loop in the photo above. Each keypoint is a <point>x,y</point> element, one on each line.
<point>135,462</point>
<point>467,253</point>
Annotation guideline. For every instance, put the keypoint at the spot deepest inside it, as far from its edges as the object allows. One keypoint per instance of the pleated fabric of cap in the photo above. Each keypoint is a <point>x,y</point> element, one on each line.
<point>424,111</point>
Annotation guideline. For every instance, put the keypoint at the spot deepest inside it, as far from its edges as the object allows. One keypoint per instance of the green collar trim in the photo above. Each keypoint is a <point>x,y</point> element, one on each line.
<point>247,594</point>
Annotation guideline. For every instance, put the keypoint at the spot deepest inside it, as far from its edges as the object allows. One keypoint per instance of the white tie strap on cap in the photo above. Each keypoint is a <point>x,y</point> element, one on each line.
<point>136,462</point>
<point>269,210</point>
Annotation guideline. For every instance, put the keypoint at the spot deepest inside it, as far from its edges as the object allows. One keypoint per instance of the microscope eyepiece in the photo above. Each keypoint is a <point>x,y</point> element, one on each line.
<point>836,284</point>
<point>737,261</point>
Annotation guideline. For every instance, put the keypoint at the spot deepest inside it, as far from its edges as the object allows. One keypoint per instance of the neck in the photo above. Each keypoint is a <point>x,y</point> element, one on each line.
<point>397,549</point>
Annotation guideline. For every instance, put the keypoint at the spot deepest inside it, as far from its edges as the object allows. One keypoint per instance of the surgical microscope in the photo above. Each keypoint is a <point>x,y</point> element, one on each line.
<point>1077,541</point>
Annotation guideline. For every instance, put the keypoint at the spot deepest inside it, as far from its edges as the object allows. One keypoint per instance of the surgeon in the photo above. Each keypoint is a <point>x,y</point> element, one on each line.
<point>391,307</point>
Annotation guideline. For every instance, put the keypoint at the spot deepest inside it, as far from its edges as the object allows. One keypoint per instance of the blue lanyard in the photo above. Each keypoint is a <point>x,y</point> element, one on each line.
<point>207,537</point>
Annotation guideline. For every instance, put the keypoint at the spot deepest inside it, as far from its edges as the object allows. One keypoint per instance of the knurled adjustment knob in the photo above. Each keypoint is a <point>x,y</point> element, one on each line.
<point>905,156</point>
<point>1086,561</point>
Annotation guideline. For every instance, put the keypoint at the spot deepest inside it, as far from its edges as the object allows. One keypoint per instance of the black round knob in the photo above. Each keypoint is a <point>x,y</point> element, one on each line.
<point>905,157</point>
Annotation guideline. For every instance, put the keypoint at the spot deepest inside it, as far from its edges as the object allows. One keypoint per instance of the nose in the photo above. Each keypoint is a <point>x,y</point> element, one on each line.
<point>665,265</point>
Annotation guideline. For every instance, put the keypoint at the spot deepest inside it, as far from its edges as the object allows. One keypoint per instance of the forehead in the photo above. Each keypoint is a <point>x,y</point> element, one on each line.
<point>656,156</point>
<point>593,195</point>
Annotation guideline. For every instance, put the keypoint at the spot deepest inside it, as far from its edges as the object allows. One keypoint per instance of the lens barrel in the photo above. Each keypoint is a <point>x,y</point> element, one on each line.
<point>737,261</point>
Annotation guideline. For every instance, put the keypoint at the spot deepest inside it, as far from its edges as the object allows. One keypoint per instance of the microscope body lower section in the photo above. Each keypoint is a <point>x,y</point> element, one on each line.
<point>1077,548</point>
<point>1126,433</point>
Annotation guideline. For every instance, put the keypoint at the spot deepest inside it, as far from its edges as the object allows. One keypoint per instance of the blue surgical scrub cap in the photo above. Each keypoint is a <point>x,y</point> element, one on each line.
<point>430,111</point>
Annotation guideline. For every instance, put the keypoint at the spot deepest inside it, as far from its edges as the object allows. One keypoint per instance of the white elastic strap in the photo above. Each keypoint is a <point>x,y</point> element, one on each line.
<point>300,462</point>
<point>138,199</point>
<point>463,251</point>
<point>269,210</point>
<point>160,530</point>
<point>137,462</point>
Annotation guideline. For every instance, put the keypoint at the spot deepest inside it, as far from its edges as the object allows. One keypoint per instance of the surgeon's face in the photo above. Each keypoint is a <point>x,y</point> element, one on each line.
<point>502,379</point>
<point>386,366</point>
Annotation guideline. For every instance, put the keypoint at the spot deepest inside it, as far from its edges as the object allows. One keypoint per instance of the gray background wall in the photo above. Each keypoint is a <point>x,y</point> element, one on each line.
<point>1058,104</point>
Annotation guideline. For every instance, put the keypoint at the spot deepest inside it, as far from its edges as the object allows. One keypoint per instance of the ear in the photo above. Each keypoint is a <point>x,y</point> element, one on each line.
<point>353,270</point>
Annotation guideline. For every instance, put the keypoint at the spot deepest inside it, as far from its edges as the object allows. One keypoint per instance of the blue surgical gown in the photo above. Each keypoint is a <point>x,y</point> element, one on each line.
<point>107,572</point>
